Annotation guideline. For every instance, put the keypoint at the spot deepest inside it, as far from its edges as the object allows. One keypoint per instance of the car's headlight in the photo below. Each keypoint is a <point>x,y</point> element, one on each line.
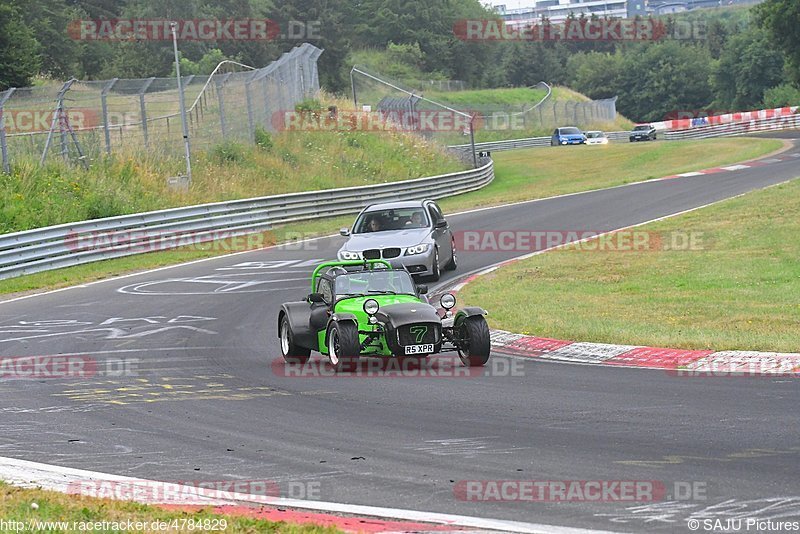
<point>419,249</point>
<point>447,301</point>
<point>563,142</point>
<point>347,255</point>
<point>371,306</point>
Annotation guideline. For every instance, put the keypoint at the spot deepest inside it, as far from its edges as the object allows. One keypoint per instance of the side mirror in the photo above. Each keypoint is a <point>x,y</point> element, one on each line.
<point>441,223</point>
<point>422,289</point>
<point>316,298</point>
<point>344,231</point>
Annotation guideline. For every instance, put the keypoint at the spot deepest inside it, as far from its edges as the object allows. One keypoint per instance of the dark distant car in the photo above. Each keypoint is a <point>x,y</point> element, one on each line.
<point>643,132</point>
<point>567,136</point>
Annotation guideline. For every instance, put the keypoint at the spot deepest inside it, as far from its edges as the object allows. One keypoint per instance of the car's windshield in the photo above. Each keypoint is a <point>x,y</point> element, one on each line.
<point>374,283</point>
<point>391,219</point>
<point>594,135</point>
<point>570,131</point>
<point>641,128</point>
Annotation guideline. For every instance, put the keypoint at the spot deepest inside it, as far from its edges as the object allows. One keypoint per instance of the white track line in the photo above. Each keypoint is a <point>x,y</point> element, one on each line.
<point>57,478</point>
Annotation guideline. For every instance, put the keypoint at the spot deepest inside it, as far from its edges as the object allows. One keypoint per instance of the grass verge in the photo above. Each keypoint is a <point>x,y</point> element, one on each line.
<point>737,287</point>
<point>543,172</point>
<point>15,505</point>
<point>520,175</point>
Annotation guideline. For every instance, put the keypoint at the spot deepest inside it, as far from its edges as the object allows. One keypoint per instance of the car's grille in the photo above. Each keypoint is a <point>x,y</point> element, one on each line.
<point>414,334</point>
<point>390,252</point>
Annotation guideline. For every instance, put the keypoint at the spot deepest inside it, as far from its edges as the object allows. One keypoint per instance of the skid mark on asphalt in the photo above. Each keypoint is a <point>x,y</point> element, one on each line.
<point>747,454</point>
<point>466,447</point>
<point>219,387</point>
<point>255,277</point>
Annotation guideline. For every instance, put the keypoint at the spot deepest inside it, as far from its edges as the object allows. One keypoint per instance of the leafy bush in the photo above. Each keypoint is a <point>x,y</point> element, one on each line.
<point>263,139</point>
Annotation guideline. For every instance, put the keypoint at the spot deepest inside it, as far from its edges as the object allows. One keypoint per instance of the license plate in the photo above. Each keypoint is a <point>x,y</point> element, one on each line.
<point>419,349</point>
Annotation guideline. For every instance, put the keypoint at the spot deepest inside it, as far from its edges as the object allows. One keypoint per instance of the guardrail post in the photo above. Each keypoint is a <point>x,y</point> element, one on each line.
<point>104,105</point>
<point>143,109</point>
<point>3,146</point>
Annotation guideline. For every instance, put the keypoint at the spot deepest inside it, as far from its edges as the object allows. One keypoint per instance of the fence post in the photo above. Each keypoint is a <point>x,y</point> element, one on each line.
<point>142,108</point>
<point>3,147</point>
<point>57,120</point>
<point>249,98</point>
<point>104,103</point>
<point>220,85</point>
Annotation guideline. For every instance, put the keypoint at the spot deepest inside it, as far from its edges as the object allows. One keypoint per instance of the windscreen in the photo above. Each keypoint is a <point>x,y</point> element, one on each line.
<point>570,131</point>
<point>391,219</point>
<point>374,283</point>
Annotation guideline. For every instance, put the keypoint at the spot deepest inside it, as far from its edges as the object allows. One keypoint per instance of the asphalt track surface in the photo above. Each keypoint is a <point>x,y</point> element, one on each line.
<point>206,396</point>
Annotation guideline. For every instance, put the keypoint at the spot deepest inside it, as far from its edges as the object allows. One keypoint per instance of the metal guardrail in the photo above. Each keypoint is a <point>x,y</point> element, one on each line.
<point>66,245</point>
<point>736,128</point>
<point>697,132</point>
<point>528,142</point>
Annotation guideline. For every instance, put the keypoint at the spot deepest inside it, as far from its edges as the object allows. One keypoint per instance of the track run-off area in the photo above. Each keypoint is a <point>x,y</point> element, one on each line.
<point>189,385</point>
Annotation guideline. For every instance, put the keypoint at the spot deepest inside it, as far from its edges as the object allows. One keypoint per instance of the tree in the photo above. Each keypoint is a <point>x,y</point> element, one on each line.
<point>748,66</point>
<point>782,19</point>
<point>19,60</point>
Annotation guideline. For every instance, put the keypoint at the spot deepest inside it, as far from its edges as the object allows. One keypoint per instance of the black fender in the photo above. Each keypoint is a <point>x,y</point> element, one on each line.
<point>340,318</point>
<point>298,314</point>
<point>469,311</point>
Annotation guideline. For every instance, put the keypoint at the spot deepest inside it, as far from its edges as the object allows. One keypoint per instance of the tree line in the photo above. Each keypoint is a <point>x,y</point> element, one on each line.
<point>744,59</point>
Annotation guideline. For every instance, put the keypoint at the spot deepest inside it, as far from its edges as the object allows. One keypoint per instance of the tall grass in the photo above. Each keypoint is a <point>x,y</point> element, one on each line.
<point>134,180</point>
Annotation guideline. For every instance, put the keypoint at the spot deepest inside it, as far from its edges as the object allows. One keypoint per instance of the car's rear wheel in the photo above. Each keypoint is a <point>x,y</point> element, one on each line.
<point>343,346</point>
<point>292,353</point>
<point>452,265</point>
<point>436,270</point>
<point>474,342</point>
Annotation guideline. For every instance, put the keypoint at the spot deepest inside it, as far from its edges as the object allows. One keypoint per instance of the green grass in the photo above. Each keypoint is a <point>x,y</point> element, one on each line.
<point>543,172</point>
<point>516,179</point>
<point>520,97</point>
<point>738,287</point>
<point>15,505</point>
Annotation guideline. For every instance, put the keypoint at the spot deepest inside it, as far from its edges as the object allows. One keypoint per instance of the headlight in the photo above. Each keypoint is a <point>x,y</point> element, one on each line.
<point>563,142</point>
<point>347,255</point>
<point>371,306</point>
<point>419,249</point>
<point>447,301</point>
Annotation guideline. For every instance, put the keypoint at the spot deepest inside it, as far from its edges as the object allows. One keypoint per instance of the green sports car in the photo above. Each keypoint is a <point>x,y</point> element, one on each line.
<point>368,308</point>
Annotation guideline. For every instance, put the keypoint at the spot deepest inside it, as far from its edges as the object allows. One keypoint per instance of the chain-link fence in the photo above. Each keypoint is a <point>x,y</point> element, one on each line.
<point>82,120</point>
<point>457,122</point>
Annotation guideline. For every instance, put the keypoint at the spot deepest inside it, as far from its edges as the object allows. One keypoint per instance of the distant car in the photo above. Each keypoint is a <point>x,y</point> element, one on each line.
<point>596,138</point>
<point>643,132</point>
<point>413,235</point>
<point>567,136</point>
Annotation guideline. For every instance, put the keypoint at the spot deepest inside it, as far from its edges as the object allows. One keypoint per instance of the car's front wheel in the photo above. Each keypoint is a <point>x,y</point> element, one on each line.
<point>292,353</point>
<point>343,346</point>
<point>436,270</point>
<point>452,265</point>
<point>475,344</point>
